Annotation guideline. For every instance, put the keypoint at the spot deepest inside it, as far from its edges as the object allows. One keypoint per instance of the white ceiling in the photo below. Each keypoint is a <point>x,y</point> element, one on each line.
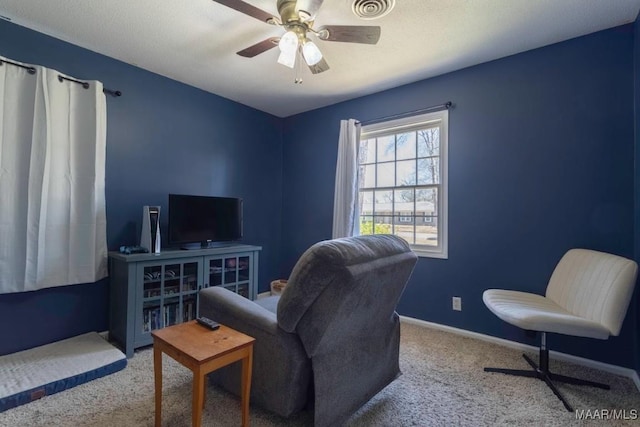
<point>194,41</point>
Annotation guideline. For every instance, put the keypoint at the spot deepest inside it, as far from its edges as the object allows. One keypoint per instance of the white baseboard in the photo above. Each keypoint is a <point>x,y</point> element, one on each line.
<point>606,367</point>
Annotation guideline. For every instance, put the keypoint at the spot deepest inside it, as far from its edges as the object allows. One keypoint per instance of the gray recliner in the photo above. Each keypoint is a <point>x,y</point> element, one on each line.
<point>332,339</point>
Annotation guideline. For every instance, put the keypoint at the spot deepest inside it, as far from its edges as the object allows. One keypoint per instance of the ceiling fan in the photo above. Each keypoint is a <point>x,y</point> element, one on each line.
<point>297,18</point>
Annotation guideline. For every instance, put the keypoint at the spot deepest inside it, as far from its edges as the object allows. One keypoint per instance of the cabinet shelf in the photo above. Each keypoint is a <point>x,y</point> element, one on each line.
<point>152,291</point>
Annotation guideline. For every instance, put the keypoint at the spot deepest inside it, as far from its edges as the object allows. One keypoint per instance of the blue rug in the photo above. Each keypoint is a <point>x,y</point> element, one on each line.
<point>31,374</point>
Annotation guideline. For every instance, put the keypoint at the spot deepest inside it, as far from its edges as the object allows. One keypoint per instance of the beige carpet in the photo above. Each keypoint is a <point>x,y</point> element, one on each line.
<point>443,384</point>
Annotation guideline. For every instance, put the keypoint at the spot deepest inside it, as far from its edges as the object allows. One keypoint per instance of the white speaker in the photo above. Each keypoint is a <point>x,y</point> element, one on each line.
<point>150,237</point>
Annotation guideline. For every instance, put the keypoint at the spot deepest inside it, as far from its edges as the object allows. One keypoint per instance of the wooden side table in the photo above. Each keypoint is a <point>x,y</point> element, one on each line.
<point>203,351</point>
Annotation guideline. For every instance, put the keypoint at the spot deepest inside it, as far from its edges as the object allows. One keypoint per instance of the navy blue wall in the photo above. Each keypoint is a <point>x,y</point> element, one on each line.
<point>541,152</point>
<point>162,137</point>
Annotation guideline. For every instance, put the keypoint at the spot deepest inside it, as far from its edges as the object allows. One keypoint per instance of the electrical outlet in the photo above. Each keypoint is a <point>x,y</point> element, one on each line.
<point>457,303</point>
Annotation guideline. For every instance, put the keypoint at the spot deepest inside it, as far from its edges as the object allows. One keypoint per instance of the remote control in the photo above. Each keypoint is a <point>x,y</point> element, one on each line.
<point>205,321</point>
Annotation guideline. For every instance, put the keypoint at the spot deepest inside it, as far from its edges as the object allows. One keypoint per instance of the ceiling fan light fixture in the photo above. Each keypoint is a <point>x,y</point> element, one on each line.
<point>287,59</point>
<point>304,16</point>
<point>322,33</point>
<point>311,53</point>
<point>288,42</point>
<point>297,18</point>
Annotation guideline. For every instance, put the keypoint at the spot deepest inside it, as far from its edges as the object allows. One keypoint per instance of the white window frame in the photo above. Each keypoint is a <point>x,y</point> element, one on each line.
<point>392,127</point>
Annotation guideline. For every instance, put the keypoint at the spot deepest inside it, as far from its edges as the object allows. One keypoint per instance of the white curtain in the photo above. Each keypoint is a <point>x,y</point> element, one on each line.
<point>345,203</point>
<point>52,167</point>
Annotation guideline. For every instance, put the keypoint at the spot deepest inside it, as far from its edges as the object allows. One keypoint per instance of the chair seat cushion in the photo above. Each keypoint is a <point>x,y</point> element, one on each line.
<point>537,313</point>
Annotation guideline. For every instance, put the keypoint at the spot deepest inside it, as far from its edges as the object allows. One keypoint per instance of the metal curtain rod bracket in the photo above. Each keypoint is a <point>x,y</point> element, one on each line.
<point>32,70</point>
<point>62,78</point>
<point>114,93</point>
<point>439,107</point>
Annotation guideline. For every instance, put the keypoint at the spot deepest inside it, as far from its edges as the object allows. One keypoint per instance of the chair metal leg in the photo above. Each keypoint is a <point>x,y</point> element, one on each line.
<point>542,372</point>
<point>516,372</point>
<point>532,363</point>
<point>555,391</point>
<point>577,381</point>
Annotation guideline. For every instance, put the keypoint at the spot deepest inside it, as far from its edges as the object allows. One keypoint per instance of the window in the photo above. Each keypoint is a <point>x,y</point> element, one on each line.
<point>402,181</point>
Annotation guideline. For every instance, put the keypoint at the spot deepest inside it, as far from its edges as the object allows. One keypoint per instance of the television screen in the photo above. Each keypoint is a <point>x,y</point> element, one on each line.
<point>204,219</point>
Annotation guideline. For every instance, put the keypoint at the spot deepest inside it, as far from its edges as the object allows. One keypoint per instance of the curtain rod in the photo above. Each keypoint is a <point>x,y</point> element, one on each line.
<point>114,93</point>
<point>32,70</point>
<point>439,107</point>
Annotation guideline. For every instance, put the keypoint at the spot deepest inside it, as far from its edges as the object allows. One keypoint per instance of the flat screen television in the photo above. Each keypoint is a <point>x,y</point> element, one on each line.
<point>199,221</point>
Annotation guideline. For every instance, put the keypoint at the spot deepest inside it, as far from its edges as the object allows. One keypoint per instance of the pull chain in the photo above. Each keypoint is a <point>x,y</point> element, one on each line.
<point>298,69</point>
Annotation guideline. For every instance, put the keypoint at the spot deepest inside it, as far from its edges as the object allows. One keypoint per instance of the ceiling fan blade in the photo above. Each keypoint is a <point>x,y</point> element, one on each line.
<point>309,6</point>
<point>258,48</point>
<point>247,9</point>
<point>350,33</point>
<point>319,67</point>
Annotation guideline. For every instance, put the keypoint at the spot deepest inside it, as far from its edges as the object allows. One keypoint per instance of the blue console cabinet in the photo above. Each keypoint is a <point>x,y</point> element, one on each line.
<point>151,291</point>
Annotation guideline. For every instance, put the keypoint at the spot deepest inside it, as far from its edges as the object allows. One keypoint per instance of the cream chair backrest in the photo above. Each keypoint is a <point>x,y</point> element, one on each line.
<point>594,285</point>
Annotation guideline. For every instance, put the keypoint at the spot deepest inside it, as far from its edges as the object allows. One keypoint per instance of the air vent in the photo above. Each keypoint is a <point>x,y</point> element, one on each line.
<point>372,9</point>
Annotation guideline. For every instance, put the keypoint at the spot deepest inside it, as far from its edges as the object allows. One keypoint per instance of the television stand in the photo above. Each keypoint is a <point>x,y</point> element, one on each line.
<point>152,291</point>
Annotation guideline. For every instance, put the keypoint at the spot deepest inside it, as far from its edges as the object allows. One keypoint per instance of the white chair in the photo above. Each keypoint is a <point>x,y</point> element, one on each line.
<point>587,296</point>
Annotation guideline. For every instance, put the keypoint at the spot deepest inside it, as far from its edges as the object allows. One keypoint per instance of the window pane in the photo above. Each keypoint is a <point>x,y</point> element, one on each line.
<point>427,201</point>
<point>429,142</point>
<point>406,172</point>
<point>367,178</point>
<point>427,233</point>
<point>366,203</point>
<point>386,175</point>
<point>366,224</point>
<point>384,202</point>
<point>426,220</point>
<point>383,225</point>
<point>386,148</point>
<point>404,218</point>
<point>367,151</point>
<point>406,145</point>
<point>406,232</point>
<point>403,201</point>
<point>429,171</point>
<point>375,225</point>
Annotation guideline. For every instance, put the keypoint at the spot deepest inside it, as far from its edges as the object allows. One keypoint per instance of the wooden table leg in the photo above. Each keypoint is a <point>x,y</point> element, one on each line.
<point>157,373</point>
<point>204,392</point>
<point>247,364</point>
<point>198,398</point>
